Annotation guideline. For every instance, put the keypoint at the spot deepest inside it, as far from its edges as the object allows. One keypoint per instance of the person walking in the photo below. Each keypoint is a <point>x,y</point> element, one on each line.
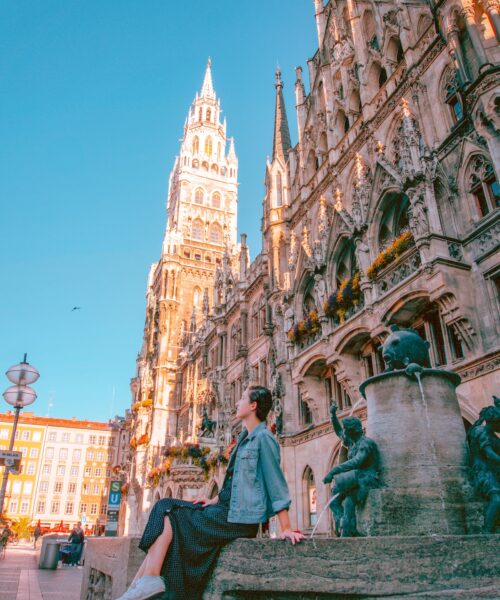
<point>76,539</point>
<point>183,539</point>
<point>36,534</point>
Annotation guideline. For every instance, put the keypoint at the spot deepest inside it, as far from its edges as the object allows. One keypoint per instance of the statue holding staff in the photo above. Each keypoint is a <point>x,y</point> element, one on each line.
<point>354,477</point>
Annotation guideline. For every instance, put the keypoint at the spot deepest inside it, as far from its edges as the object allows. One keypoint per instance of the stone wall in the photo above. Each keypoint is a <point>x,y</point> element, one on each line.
<point>437,567</point>
<point>110,566</point>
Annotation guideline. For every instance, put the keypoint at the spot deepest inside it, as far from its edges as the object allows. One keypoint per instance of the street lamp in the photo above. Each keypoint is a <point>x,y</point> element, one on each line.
<point>18,395</point>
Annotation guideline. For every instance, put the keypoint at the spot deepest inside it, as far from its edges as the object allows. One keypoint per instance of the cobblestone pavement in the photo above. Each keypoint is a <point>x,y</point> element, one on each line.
<point>20,578</point>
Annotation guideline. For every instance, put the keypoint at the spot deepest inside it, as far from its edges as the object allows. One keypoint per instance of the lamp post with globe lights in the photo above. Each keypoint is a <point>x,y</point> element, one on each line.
<point>18,395</point>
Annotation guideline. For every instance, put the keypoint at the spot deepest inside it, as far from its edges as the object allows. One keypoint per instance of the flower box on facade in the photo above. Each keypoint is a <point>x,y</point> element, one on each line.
<point>306,329</point>
<point>391,254</point>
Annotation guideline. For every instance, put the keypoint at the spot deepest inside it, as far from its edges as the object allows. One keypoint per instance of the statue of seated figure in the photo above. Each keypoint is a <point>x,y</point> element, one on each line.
<point>484,447</point>
<point>355,476</point>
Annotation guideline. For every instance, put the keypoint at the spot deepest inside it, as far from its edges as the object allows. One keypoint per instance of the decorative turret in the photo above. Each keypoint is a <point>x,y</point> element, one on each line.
<point>319,13</point>
<point>300,97</point>
<point>281,140</point>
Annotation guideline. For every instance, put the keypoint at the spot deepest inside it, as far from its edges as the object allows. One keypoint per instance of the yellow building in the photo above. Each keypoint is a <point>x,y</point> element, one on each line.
<point>65,472</point>
<point>19,499</point>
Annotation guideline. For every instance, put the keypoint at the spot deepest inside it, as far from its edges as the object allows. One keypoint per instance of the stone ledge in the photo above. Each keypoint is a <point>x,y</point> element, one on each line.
<point>402,568</point>
<point>399,568</point>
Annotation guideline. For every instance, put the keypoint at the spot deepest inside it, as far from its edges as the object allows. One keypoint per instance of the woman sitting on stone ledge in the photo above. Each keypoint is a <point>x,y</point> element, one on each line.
<point>183,539</point>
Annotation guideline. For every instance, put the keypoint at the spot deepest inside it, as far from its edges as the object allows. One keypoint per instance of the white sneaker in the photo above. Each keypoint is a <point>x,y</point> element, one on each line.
<point>145,588</point>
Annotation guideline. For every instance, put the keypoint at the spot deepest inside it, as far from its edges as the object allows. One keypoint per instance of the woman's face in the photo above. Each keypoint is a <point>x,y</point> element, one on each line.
<point>244,407</point>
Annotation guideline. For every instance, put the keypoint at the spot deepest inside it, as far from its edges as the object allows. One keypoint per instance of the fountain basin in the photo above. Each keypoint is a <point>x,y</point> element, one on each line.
<point>421,437</point>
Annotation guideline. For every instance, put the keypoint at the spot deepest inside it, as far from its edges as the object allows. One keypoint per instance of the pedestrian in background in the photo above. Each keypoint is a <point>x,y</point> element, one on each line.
<point>76,539</point>
<point>36,534</point>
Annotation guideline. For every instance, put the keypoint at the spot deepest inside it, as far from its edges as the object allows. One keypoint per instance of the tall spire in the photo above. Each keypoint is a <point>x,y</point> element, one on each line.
<point>281,141</point>
<point>207,88</point>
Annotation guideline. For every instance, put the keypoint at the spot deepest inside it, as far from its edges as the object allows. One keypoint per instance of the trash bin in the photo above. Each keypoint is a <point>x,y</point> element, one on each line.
<point>49,556</point>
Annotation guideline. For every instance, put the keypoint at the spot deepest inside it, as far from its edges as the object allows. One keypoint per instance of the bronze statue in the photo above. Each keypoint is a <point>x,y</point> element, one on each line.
<point>404,347</point>
<point>485,460</point>
<point>207,425</point>
<point>353,478</point>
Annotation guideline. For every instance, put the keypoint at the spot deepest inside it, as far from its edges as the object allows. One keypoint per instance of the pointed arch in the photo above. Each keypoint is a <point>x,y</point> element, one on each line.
<point>208,145</point>
<point>216,233</point>
<point>196,145</point>
<point>197,296</point>
<point>199,195</point>
<point>309,497</point>
<point>216,200</point>
<point>279,189</point>
<point>197,229</point>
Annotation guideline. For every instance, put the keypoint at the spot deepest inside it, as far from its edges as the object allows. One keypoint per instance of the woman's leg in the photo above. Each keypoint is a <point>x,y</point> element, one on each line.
<point>153,562</point>
<point>158,551</point>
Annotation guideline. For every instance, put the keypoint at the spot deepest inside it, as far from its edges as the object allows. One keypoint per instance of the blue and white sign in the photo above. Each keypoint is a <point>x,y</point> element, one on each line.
<point>114,499</point>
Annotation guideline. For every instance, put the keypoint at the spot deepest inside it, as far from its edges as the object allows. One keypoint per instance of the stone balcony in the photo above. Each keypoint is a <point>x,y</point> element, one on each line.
<point>395,273</point>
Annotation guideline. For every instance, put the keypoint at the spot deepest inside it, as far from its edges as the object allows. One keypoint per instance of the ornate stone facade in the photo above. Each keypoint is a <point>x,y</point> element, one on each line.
<point>384,212</point>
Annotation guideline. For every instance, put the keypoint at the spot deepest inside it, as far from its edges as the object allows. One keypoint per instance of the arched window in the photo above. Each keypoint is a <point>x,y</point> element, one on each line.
<point>196,144</point>
<point>216,233</point>
<point>336,391</point>
<point>450,86</point>
<point>310,503</point>
<point>223,171</point>
<point>424,23</point>
<point>382,77</point>
<point>309,301</point>
<point>355,102</point>
<point>321,97</point>
<point>234,342</point>
<point>208,115</point>
<point>254,329</point>
<point>197,229</point>
<point>395,50</point>
<point>197,296</point>
<point>199,195</point>
<point>200,114</point>
<point>208,146</point>
<point>195,164</point>
<point>214,168</point>
<point>262,313</point>
<point>216,200</point>
<point>204,165</point>
<point>279,190</point>
<point>311,164</point>
<point>345,266</point>
<point>369,30</point>
<point>483,185</point>
<point>395,219</point>
<point>323,148</point>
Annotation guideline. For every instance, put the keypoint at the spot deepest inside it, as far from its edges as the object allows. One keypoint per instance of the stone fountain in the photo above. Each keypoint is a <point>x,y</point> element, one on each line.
<point>414,418</point>
<point>415,534</point>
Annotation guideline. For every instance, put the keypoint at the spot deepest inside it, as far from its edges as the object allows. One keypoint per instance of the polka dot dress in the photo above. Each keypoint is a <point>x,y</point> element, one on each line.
<point>198,535</point>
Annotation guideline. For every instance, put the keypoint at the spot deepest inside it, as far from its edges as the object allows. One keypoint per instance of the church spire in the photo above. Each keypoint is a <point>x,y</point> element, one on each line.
<point>207,89</point>
<point>281,141</point>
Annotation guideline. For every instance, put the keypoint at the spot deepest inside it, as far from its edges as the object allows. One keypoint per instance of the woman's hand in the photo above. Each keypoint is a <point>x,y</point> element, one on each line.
<point>293,536</point>
<point>206,502</point>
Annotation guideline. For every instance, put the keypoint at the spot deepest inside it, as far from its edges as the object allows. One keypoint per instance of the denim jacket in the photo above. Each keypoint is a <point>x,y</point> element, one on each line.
<point>258,489</point>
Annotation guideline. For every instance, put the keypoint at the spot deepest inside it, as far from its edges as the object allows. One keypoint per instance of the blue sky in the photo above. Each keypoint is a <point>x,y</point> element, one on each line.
<point>93,97</point>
